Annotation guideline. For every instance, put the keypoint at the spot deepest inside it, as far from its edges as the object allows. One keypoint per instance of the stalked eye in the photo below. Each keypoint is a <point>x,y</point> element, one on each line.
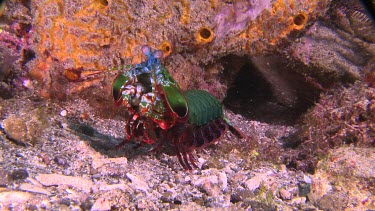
<point>158,54</point>
<point>146,50</point>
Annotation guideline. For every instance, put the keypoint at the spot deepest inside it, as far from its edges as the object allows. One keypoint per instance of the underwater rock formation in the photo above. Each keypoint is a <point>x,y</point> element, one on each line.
<point>79,39</point>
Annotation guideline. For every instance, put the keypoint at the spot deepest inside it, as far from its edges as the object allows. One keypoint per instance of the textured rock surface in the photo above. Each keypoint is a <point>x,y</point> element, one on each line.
<point>345,116</point>
<point>68,46</point>
<point>90,34</point>
<point>349,173</point>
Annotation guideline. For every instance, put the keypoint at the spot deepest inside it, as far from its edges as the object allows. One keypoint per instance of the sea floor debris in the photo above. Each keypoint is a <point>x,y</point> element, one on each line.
<point>73,165</point>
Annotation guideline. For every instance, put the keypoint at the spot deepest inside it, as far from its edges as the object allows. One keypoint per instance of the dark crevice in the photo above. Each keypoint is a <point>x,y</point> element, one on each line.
<point>28,55</point>
<point>26,3</point>
<point>266,90</point>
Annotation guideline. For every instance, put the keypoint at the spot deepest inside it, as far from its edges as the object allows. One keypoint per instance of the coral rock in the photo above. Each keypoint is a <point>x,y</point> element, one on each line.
<point>95,35</point>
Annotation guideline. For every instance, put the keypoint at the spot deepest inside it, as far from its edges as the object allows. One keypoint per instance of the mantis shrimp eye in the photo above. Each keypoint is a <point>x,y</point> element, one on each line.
<point>146,50</point>
<point>158,54</point>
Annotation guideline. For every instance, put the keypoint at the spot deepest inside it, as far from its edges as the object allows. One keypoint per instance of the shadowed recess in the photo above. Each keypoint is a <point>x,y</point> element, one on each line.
<point>266,90</point>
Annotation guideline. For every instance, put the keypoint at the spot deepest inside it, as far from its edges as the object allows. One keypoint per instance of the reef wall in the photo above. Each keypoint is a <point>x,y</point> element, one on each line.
<point>81,40</point>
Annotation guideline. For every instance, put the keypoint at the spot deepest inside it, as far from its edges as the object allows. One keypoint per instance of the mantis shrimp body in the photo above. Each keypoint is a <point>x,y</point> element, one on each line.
<point>159,112</point>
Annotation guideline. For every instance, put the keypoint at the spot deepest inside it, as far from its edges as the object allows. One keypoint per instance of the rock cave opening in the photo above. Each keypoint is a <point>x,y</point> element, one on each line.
<point>266,89</point>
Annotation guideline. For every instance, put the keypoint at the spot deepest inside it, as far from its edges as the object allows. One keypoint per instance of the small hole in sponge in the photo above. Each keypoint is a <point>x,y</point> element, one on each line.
<point>166,47</point>
<point>205,35</point>
<point>300,19</point>
<point>103,2</point>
